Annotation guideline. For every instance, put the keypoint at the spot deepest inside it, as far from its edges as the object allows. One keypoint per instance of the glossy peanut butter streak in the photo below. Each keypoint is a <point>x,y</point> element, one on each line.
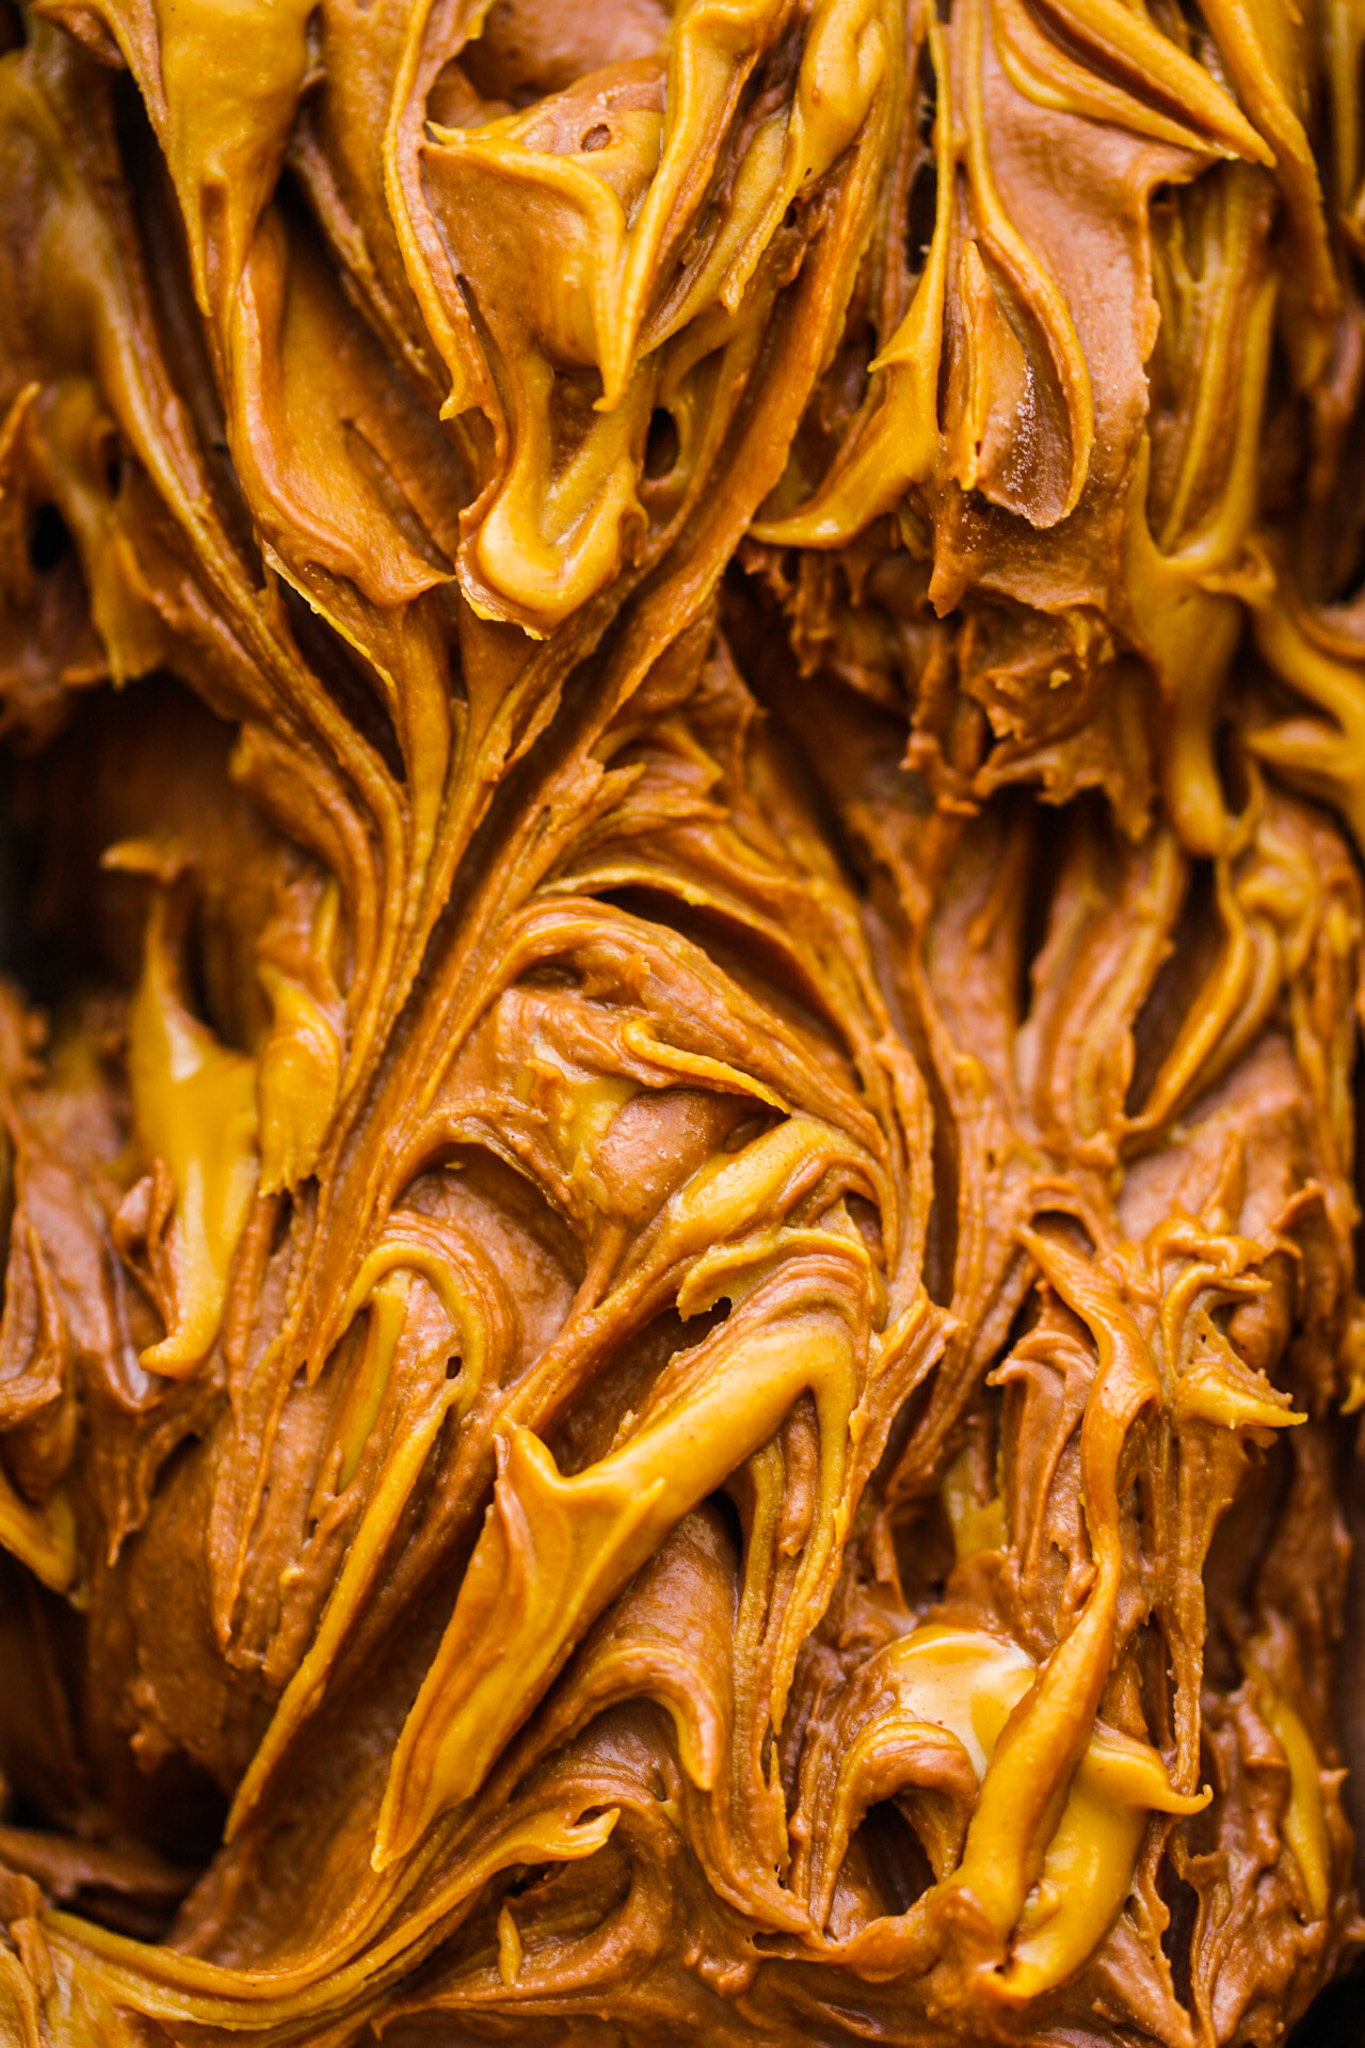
<point>686,712</point>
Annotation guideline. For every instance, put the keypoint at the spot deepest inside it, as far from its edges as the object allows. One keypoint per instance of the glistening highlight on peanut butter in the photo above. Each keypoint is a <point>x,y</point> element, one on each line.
<point>684,697</point>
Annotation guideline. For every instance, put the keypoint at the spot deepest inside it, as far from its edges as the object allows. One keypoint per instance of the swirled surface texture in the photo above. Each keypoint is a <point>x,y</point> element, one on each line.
<point>685,715</point>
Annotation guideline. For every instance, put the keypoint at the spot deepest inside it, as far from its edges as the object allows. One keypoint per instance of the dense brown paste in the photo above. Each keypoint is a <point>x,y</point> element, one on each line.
<point>686,766</point>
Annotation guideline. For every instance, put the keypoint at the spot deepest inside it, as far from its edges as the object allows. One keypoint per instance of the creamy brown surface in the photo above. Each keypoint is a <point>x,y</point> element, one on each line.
<point>686,717</point>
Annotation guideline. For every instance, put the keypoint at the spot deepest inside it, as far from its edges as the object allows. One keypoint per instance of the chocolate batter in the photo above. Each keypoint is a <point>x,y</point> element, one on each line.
<point>685,706</point>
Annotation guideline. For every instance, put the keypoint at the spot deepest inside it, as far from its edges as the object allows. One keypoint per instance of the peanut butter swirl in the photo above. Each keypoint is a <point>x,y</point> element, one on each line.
<point>685,697</point>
